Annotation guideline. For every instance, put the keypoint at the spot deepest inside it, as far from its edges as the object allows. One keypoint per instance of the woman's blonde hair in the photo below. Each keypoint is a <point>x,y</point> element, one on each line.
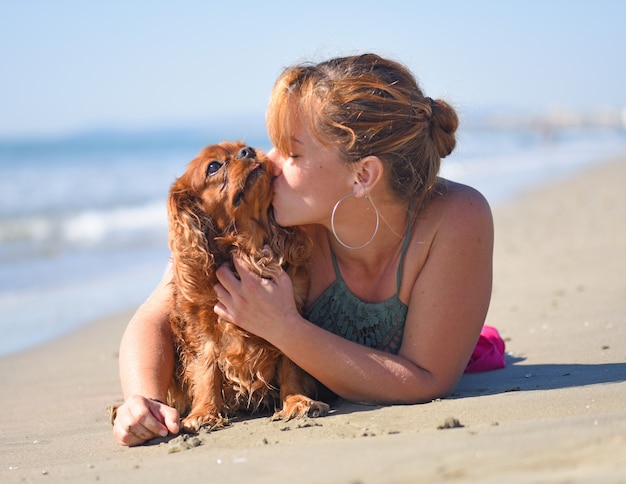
<point>367,105</point>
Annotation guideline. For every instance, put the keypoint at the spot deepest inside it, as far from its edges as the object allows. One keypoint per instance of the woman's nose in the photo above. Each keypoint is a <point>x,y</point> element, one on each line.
<point>276,161</point>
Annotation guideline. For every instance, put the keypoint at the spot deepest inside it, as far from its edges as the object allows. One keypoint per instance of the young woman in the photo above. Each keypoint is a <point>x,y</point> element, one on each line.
<point>402,261</point>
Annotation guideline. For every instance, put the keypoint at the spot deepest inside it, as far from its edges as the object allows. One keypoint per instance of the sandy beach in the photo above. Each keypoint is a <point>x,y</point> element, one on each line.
<point>556,413</point>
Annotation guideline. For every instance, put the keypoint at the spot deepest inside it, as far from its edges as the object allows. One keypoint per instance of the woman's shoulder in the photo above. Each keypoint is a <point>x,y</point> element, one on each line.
<point>455,214</point>
<point>456,194</point>
<point>456,218</point>
<point>455,203</point>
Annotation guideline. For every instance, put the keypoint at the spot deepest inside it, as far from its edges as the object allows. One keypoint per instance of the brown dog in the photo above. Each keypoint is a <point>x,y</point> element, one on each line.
<point>219,206</point>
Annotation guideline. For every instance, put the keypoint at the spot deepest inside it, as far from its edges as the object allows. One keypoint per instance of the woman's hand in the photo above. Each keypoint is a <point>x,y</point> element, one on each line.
<point>140,419</point>
<point>253,303</point>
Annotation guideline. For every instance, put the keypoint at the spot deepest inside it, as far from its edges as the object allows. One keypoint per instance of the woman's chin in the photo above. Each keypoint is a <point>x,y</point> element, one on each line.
<point>284,219</point>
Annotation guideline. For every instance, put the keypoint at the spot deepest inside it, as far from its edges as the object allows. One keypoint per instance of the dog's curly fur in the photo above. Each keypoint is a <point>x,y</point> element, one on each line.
<point>219,206</point>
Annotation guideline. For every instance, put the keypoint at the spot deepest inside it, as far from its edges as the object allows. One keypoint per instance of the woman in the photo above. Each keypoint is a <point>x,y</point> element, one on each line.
<point>402,261</point>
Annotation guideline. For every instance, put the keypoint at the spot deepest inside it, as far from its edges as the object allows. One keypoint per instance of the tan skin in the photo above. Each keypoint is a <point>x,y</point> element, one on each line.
<point>446,284</point>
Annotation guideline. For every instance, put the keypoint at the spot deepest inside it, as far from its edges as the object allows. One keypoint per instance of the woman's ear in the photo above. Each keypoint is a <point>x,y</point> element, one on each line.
<point>368,172</point>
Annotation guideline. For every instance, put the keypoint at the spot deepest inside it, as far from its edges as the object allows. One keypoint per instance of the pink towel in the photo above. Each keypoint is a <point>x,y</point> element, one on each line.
<point>489,352</point>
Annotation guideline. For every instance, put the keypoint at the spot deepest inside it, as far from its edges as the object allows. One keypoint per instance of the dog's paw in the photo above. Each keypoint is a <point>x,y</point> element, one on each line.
<point>195,422</point>
<point>318,409</point>
<point>299,406</point>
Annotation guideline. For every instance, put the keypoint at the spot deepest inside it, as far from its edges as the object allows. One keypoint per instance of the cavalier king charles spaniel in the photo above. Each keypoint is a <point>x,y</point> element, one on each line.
<point>219,207</point>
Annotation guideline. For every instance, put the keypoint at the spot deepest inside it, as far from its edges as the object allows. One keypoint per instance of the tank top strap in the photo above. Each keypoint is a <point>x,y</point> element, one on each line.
<point>335,265</point>
<point>405,245</point>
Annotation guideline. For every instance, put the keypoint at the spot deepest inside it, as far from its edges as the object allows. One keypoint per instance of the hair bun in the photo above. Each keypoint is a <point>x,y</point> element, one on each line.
<point>443,125</point>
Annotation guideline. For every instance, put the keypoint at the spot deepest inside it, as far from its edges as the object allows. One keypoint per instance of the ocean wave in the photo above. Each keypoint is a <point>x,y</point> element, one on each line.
<point>88,227</point>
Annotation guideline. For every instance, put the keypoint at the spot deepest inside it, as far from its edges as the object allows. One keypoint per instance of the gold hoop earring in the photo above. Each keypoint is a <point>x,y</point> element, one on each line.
<point>332,223</point>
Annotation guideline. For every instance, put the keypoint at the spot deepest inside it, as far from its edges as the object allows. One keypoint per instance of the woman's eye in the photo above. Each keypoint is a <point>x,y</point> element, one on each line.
<point>213,168</point>
<point>293,155</point>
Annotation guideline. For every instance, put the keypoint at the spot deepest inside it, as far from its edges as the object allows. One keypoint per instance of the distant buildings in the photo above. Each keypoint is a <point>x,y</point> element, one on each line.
<point>553,119</point>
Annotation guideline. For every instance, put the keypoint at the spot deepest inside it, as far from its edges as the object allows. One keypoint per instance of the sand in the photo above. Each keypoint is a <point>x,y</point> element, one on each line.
<point>557,413</point>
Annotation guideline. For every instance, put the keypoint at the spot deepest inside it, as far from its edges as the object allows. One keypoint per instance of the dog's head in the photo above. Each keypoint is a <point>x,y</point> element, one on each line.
<point>227,187</point>
<point>222,203</point>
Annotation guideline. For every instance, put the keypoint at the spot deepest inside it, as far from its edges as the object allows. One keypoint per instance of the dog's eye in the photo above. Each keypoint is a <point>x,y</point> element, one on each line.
<point>213,168</point>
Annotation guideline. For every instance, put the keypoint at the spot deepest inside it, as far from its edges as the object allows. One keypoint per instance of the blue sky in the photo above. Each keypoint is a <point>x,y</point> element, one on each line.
<point>70,66</point>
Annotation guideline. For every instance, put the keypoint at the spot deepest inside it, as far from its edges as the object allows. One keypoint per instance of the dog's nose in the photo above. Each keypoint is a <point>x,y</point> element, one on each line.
<point>246,153</point>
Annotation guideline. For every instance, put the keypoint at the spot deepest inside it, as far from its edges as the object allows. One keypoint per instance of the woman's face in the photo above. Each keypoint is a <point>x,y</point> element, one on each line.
<point>308,181</point>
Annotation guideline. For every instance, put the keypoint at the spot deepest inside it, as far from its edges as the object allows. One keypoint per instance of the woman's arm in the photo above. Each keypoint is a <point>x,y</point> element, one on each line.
<point>450,297</point>
<point>146,363</point>
<point>447,307</point>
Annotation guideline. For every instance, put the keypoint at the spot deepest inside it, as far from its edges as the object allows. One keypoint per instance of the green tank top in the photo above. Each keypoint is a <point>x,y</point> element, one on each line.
<point>376,325</point>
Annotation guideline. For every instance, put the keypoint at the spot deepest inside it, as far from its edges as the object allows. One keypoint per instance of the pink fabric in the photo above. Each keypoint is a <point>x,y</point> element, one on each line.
<point>489,352</point>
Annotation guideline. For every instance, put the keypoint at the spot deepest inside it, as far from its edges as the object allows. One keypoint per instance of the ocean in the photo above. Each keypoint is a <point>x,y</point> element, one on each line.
<point>83,223</point>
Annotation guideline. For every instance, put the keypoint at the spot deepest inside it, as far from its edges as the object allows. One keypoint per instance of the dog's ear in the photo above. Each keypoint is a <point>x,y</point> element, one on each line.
<point>292,242</point>
<point>191,234</point>
<point>295,247</point>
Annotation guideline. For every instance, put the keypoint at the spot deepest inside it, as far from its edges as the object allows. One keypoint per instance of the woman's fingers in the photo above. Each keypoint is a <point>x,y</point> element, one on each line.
<point>140,419</point>
<point>170,418</point>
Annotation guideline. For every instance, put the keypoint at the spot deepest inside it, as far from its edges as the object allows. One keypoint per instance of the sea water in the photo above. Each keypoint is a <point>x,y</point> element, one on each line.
<point>83,222</point>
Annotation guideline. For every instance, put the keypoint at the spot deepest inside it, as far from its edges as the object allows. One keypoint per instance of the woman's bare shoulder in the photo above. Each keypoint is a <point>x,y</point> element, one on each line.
<point>459,205</point>
<point>459,196</point>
